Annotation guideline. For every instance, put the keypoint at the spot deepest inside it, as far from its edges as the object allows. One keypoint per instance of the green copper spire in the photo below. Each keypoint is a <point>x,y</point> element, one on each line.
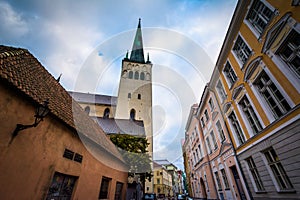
<point>137,53</point>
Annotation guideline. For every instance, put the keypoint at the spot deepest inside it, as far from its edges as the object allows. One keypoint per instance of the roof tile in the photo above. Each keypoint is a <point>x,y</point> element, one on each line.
<point>22,70</point>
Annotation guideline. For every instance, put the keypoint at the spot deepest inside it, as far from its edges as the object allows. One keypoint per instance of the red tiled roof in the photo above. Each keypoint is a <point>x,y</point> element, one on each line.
<point>24,72</point>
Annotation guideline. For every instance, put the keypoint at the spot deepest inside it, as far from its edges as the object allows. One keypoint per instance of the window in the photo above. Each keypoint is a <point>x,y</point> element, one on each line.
<point>221,91</point>
<point>130,75</point>
<point>250,115</point>
<point>273,97</point>
<point>220,130</point>
<point>148,77</point>
<point>208,145</point>
<point>211,104</point>
<point>229,74</point>
<point>106,113</point>
<point>142,76</point>
<point>295,2</point>
<point>61,187</point>
<point>200,151</point>
<point>206,115</point>
<point>277,169</point>
<point>132,114</point>
<point>197,155</point>
<point>255,175</point>
<point>118,194</point>
<point>214,141</point>
<point>289,52</point>
<point>202,122</point>
<point>139,96</point>
<point>241,50</point>
<point>78,158</point>
<point>158,181</point>
<point>68,154</point>
<point>87,109</point>
<point>136,75</point>
<point>129,95</point>
<point>259,16</point>
<point>218,181</point>
<point>225,180</point>
<point>237,129</point>
<point>104,188</point>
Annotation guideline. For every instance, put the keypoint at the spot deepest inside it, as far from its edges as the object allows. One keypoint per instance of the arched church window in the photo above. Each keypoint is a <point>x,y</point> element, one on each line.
<point>148,77</point>
<point>142,76</point>
<point>106,113</point>
<point>139,96</point>
<point>130,75</point>
<point>132,114</point>
<point>136,75</point>
<point>87,109</point>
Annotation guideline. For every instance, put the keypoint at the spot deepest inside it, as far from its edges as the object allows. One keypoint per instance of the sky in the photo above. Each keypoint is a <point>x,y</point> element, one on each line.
<point>86,40</point>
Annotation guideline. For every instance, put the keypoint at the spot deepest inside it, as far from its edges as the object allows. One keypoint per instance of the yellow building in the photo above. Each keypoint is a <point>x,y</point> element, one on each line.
<point>257,79</point>
<point>162,180</point>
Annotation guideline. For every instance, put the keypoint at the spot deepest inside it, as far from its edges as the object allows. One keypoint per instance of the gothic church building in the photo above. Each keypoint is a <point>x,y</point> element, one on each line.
<point>131,111</point>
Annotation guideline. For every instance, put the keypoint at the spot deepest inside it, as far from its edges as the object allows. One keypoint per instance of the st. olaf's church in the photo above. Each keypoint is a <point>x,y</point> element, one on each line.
<point>131,111</point>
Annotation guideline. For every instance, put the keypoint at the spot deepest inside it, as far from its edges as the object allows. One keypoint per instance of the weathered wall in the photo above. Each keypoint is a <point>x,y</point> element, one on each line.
<point>30,161</point>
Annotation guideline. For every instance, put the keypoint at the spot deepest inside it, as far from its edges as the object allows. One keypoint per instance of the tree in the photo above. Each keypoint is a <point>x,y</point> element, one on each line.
<point>134,151</point>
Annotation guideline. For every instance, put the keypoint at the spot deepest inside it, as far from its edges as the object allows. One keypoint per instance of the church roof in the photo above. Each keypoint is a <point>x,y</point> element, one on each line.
<point>137,53</point>
<point>122,126</point>
<point>94,98</point>
<point>23,73</point>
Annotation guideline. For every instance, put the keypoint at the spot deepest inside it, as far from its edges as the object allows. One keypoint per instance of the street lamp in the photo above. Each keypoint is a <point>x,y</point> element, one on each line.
<point>40,112</point>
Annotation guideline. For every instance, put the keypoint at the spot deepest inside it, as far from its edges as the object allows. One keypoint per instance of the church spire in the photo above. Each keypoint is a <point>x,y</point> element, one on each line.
<point>137,53</point>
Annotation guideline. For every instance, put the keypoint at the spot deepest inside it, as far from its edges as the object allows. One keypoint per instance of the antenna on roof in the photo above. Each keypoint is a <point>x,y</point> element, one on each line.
<point>58,79</point>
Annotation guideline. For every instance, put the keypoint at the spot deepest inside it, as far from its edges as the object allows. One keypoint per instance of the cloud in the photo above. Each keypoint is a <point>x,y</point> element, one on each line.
<point>183,38</point>
<point>12,23</point>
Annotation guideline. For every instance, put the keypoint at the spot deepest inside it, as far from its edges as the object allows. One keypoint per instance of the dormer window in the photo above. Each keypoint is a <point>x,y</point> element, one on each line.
<point>106,113</point>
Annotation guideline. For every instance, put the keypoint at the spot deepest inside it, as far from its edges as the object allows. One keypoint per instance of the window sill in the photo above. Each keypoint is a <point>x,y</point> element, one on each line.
<point>261,192</point>
<point>287,191</point>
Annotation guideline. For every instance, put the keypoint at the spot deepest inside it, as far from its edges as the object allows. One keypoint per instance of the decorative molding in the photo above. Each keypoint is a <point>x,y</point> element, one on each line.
<point>237,90</point>
<point>252,67</point>
<point>274,31</point>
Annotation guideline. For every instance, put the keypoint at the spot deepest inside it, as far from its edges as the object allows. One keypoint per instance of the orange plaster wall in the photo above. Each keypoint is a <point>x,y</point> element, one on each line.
<point>30,161</point>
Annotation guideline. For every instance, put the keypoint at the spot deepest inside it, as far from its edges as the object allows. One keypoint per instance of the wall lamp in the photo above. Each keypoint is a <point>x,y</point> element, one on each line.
<point>40,112</point>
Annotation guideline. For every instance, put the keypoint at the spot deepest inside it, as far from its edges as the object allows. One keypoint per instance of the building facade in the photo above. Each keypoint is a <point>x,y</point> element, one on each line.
<point>258,88</point>
<point>162,180</point>
<point>228,179</point>
<point>65,156</point>
<point>256,84</point>
<point>200,177</point>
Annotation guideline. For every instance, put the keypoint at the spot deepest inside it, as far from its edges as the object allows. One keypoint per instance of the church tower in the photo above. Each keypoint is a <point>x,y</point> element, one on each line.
<point>135,88</point>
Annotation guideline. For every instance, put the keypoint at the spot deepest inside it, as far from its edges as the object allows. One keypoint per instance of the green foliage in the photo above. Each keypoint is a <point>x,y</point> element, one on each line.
<point>134,151</point>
